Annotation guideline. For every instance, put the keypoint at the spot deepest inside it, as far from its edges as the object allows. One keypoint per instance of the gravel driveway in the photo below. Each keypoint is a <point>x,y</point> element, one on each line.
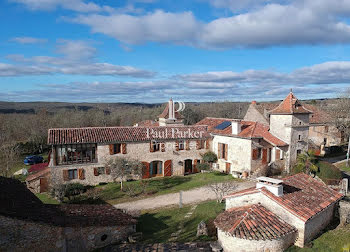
<point>188,197</point>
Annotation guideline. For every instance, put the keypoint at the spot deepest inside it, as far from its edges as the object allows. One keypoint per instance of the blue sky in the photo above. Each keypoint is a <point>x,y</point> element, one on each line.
<point>150,50</point>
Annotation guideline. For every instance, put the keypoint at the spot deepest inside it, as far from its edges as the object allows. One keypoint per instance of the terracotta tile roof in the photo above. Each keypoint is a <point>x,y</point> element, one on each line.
<point>120,134</point>
<point>318,115</point>
<point>302,195</point>
<point>253,222</point>
<point>290,105</point>
<point>39,174</point>
<point>38,167</point>
<point>18,202</point>
<point>248,130</point>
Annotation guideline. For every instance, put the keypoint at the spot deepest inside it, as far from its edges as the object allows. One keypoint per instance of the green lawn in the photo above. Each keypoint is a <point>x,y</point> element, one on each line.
<point>158,186</point>
<point>344,167</point>
<point>157,226</point>
<point>333,240</point>
<point>45,198</point>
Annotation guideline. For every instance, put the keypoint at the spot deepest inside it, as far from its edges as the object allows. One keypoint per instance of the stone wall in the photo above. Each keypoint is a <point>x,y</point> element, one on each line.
<point>239,153</point>
<point>230,243</point>
<point>344,212</point>
<point>319,222</point>
<point>136,150</point>
<point>317,133</point>
<point>254,115</point>
<point>20,235</point>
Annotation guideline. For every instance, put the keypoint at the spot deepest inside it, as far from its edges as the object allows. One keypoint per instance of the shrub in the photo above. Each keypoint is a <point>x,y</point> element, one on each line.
<point>74,189</point>
<point>210,157</point>
<point>203,166</point>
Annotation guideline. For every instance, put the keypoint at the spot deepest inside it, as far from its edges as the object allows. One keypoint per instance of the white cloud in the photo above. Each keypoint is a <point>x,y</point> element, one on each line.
<point>78,58</point>
<point>159,26</point>
<point>29,40</point>
<point>74,5</point>
<point>299,22</point>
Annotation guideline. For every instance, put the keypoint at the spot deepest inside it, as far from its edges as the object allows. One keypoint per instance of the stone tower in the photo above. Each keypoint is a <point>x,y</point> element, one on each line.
<point>290,122</point>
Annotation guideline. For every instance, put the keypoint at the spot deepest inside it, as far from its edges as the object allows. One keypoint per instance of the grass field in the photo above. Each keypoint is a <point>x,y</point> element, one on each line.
<point>112,194</point>
<point>45,198</point>
<point>342,166</point>
<point>158,186</point>
<point>331,241</point>
<point>158,226</point>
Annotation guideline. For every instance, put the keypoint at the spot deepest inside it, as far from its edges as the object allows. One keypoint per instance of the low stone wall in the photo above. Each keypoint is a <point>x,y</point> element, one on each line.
<point>344,212</point>
<point>20,235</point>
<point>230,243</point>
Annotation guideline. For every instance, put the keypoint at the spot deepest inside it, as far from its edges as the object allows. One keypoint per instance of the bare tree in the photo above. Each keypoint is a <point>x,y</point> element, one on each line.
<point>123,169</point>
<point>222,189</point>
<point>8,157</point>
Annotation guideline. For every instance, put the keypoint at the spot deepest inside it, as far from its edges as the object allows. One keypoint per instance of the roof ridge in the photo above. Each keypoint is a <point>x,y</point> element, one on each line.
<point>243,217</point>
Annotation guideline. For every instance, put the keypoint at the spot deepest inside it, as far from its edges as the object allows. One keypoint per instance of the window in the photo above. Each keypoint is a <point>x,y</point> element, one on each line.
<point>298,152</point>
<point>156,168</point>
<point>299,137</point>
<point>181,145</point>
<point>222,150</point>
<point>201,144</point>
<point>72,174</point>
<point>326,129</point>
<point>299,123</point>
<point>259,153</point>
<point>117,148</point>
<point>76,153</point>
<point>101,170</point>
<point>155,146</point>
<point>325,140</point>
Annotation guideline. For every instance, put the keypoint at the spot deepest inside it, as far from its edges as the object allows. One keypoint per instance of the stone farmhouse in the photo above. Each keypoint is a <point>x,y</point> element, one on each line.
<point>26,224</point>
<point>165,148</point>
<point>322,131</point>
<point>245,146</point>
<point>276,214</point>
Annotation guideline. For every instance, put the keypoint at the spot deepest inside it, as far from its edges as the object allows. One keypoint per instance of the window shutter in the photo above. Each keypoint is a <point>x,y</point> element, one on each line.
<point>255,154</point>
<point>187,144</point>
<point>81,174</point>
<point>163,147</point>
<point>111,149</point>
<point>264,157</point>
<point>95,171</point>
<point>177,145</point>
<point>278,154</point>
<point>65,175</point>
<point>167,168</point>
<point>198,144</point>
<point>151,147</point>
<point>207,144</point>
<point>226,151</point>
<point>108,171</point>
<point>145,170</point>
<point>124,148</point>
<point>195,165</point>
<point>219,150</point>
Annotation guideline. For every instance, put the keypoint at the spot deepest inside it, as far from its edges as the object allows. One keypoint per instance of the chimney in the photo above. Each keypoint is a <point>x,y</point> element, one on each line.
<point>254,102</point>
<point>171,109</point>
<point>236,127</point>
<point>273,185</point>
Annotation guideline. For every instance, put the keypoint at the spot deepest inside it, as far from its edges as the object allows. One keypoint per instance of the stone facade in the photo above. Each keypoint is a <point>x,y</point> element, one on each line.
<point>134,150</point>
<point>344,212</point>
<point>254,115</point>
<point>230,243</point>
<point>326,135</point>
<point>294,130</point>
<point>238,161</point>
<point>20,235</point>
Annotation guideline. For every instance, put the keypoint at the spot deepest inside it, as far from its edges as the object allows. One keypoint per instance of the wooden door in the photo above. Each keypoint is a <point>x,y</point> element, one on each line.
<point>44,185</point>
<point>264,156</point>
<point>228,168</point>
<point>167,168</point>
<point>145,170</point>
